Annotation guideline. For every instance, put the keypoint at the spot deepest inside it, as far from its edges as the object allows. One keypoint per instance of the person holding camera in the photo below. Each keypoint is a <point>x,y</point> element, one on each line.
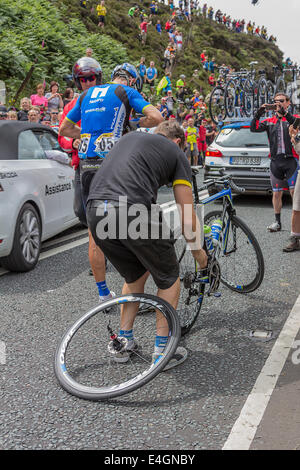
<point>284,159</point>
<point>54,99</point>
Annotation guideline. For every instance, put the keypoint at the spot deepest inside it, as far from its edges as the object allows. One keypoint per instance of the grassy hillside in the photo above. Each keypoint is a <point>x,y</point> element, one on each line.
<point>53,34</point>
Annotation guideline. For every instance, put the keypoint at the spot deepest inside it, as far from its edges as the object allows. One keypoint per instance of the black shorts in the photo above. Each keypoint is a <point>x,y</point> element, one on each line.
<point>130,256</point>
<point>283,173</point>
<point>87,171</point>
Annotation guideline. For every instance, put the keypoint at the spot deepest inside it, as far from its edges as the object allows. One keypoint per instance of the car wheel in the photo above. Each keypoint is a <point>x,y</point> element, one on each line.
<point>27,241</point>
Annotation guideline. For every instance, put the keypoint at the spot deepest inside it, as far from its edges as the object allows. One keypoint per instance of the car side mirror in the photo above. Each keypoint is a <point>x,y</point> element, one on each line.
<point>58,156</point>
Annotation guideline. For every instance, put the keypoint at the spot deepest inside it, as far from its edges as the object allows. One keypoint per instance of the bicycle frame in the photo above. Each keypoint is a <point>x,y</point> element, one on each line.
<point>226,195</point>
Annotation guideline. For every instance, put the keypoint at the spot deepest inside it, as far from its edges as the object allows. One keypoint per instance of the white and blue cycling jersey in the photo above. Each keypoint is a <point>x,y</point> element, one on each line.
<point>104,112</point>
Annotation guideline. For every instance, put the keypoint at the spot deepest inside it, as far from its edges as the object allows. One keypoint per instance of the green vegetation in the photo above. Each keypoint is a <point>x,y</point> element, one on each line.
<point>66,30</point>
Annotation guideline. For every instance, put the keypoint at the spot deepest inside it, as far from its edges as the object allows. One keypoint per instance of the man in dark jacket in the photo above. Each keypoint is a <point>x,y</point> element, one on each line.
<point>284,160</point>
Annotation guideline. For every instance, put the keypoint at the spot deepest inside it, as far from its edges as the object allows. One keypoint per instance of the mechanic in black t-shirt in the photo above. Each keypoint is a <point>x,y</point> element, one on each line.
<point>128,226</point>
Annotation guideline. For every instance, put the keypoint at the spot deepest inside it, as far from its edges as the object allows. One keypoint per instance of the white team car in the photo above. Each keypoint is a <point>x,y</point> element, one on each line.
<point>36,192</point>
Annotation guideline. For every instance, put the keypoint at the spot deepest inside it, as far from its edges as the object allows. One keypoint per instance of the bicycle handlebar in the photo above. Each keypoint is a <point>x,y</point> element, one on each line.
<point>223,180</point>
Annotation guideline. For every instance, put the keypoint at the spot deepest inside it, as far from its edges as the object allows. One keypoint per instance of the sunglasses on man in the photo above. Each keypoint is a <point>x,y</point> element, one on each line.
<point>91,78</point>
<point>279,101</point>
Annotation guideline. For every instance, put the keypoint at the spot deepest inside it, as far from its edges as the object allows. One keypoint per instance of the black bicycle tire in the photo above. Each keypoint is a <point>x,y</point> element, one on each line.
<point>280,81</point>
<point>215,121</point>
<point>270,96</point>
<point>262,81</point>
<point>94,394</point>
<point>252,286</point>
<point>188,324</point>
<point>231,113</point>
<point>248,113</point>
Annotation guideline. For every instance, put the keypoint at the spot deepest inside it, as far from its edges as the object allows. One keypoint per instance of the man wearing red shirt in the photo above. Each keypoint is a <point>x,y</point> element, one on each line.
<point>144,28</point>
<point>85,78</point>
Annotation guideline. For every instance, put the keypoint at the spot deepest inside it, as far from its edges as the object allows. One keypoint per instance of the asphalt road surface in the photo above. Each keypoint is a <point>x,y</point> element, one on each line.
<point>191,407</point>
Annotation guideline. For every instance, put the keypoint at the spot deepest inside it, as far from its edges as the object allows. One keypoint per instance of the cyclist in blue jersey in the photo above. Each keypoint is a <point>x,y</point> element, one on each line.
<point>104,112</point>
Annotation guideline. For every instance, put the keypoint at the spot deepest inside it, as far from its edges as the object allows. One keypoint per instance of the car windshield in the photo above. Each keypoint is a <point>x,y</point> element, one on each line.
<point>241,137</point>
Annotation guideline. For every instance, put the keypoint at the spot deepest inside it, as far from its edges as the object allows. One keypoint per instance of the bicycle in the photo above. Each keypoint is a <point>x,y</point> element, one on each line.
<point>234,96</point>
<point>85,360</point>
<point>237,261</point>
<point>217,98</point>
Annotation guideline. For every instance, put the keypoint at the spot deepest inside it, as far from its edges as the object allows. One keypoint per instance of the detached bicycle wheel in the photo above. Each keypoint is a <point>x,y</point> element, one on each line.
<point>86,364</point>
<point>238,253</point>
<point>191,291</point>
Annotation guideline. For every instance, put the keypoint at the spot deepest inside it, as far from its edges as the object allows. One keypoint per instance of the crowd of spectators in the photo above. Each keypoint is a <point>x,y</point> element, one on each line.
<point>183,100</point>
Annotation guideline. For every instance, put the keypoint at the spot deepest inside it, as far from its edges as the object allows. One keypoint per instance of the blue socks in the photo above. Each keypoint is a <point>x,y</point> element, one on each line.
<point>128,334</point>
<point>103,289</point>
<point>160,344</point>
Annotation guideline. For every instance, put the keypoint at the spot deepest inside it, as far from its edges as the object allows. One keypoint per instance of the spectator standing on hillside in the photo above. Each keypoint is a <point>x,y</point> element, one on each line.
<point>168,26</point>
<point>144,29</point>
<point>158,27</point>
<point>180,82</point>
<point>170,102</point>
<point>24,109</point>
<point>181,112</point>
<point>201,143</point>
<point>167,59</point>
<point>133,11</point>
<point>142,70</point>
<point>101,11</point>
<point>54,98</point>
<point>211,65</point>
<point>12,115</point>
<point>39,99</point>
<point>168,86</point>
<point>151,75</point>
<point>68,96</point>
<point>54,122</point>
<point>192,134</point>
<point>178,37</point>
<point>211,80</point>
<point>211,131</point>
<point>163,109</point>
<point>34,115</point>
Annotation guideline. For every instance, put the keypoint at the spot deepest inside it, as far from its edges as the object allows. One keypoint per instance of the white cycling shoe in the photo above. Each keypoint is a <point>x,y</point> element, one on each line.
<point>104,298</point>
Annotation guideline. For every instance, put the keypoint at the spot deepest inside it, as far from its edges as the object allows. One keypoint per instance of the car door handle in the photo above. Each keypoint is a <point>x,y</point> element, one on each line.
<point>61,175</point>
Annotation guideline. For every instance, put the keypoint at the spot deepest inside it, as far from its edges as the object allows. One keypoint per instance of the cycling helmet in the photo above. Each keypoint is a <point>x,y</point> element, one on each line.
<point>127,71</point>
<point>85,67</point>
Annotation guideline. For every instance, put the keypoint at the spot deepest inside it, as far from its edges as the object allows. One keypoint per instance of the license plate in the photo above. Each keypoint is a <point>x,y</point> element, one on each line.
<point>245,160</point>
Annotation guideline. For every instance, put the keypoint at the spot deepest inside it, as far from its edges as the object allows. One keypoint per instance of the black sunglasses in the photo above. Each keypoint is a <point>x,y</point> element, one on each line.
<point>279,101</point>
<point>91,78</point>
